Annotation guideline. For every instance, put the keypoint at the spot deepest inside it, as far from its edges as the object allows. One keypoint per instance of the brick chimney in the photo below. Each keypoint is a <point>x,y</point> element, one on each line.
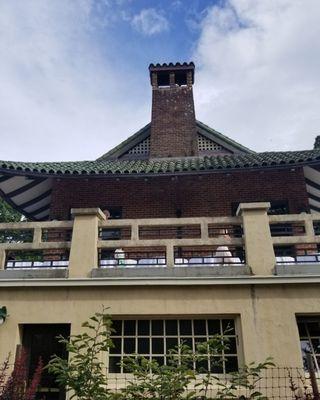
<point>316,145</point>
<point>173,123</point>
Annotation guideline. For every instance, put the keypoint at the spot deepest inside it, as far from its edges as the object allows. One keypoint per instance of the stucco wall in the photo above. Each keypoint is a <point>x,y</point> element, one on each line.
<point>266,313</point>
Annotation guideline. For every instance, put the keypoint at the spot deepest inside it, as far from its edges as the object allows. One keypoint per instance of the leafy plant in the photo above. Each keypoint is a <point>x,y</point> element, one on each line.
<point>7,213</point>
<point>84,374</point>
<point>213,348</point>
<point>84,377</point>
<point>159,382</point>
<point>14,386</point>
<point>300,390</point>
<point>246,379</point>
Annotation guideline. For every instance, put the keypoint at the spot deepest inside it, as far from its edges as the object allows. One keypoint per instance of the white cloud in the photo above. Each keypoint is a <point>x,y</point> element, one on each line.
<point>61,96</point>
<point>150,22</point>
<point>258,72</point>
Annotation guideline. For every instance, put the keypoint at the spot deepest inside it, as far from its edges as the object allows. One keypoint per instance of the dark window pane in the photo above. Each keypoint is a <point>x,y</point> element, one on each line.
<point>202,366</point>
<point>316,345</point>
<point>186,342</point>
<point>114,364</point>
<point>157,327</point>
<point>189,363</point>
<point>129,328</point>
<point>232,346</point>
<point>199,327</point>
<point>314,328</point>
<point>126,370</point>
<point>216,365</point>
<point>159,360</point>
<point>144,327</point>
<point>171,327</point>
<point>129,345</point>
<point>171,343</point>
<point>117,346</point>
<point>199,340</point>
<point>143,346</point>
<point>228,326</point>
<point>231,364</point>
<point>116,325</point>
<point>302,329</point>
<point>157,346</point>
<point>214,326</point>
<point>185,327</point>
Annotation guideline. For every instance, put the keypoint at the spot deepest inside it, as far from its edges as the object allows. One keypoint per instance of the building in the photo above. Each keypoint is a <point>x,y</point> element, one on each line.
<point>180,230</point>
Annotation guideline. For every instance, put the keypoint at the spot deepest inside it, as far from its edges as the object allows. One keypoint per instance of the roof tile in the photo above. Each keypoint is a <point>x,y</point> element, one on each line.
<point>163,166</point>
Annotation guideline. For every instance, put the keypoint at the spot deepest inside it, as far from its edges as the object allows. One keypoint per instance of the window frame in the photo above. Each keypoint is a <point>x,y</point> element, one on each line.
<point>305,319</point>
<point>193,336</point>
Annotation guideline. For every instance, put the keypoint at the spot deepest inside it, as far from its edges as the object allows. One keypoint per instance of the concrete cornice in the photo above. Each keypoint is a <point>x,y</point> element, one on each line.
<point>203,281</point>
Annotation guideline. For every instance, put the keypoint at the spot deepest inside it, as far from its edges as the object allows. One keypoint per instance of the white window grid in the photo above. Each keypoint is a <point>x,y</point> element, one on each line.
<point>141,148</point>
<point>310,340</point>
<point>127,344</point>
<point>207,144</point>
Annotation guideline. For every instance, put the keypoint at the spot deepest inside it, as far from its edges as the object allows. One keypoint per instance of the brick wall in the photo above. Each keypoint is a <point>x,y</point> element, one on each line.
<point>197,195</point>
<point>173,124</point>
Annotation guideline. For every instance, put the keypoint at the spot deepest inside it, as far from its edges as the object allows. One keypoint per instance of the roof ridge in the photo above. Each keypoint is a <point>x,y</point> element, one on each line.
<point>124,142</point>
<point>223,137</point>
<point>142,133</point>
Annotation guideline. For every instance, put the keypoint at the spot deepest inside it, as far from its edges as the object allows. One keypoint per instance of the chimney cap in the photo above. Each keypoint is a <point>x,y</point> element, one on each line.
<point>171,67</point>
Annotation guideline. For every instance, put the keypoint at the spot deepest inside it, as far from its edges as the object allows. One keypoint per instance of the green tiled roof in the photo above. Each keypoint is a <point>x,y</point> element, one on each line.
<point>164,165</point>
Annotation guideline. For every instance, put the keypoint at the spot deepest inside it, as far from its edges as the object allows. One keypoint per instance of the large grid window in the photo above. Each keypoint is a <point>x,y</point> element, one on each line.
<point>153,339</point>
<point>309,332</point>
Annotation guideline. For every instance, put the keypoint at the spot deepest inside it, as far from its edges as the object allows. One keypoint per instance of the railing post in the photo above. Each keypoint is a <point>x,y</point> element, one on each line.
<point>257,237</point>
<point>2,258</point>
<point>135,231</point>
<point>204,230</point>
<point>84,252</point>
<point>37,235</point>
<point>309,225</point>
<point>170,256</point>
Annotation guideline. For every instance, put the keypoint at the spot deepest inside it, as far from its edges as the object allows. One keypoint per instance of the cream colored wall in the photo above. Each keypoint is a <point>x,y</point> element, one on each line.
<point>266,313</point>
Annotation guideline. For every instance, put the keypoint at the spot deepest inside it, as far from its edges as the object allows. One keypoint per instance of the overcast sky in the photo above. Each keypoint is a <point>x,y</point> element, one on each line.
<point>74,79</point>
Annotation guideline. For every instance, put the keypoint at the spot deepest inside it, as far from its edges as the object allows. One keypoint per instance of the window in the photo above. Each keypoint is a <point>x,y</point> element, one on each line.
<point>309,332</point>
<point>153,339</point>
<point>112,233</point>
<point>115,212</point>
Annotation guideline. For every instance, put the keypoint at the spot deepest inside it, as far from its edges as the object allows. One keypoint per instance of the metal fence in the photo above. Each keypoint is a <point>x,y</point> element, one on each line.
<point>273,384</point>
<point>281,383</point>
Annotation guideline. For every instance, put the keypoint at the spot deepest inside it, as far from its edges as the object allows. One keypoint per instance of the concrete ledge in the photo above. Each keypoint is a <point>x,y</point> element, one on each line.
<point>178,272</point>
<point>34,273</point>
<point>96,212</point>
<point>264,206</point>
<point>297,269</point>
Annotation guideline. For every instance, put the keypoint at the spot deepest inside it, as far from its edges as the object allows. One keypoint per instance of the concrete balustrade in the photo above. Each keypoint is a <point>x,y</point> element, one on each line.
<point>252,218</point>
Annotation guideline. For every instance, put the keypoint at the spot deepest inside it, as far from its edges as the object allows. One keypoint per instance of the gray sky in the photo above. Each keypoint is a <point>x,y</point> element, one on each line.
<point>74,79</point>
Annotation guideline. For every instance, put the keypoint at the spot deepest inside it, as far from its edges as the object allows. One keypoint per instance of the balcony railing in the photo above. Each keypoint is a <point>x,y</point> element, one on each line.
<point>250,243</point>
